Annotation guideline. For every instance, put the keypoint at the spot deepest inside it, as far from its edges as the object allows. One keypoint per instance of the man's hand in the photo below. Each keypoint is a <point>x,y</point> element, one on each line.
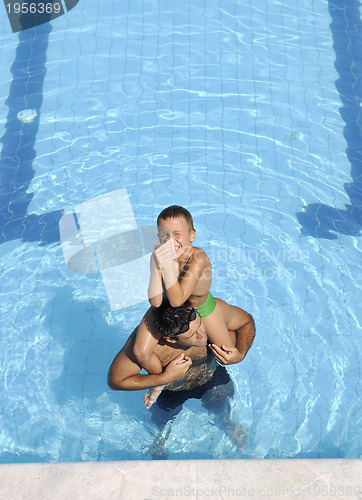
<point>164,253</point>
<point>226,355</point>
<point>177,367</point>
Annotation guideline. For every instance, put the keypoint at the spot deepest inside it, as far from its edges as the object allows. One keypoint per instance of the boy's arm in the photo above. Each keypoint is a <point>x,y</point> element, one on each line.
<point>179,291</point>
<point>155,291</point>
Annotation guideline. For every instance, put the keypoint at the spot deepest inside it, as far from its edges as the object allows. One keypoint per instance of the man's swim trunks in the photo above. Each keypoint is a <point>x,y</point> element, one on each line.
<point>207,307</point>
<point>172,399</point>
<point>215,396</point>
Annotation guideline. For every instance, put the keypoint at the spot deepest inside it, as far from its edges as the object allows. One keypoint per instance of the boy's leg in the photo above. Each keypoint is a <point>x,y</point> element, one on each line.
<point>217,329</point>
<point>234,317</point>
<point>151,364</point>
<point>143,348</point>
<point>241,322</point>
<point>151,396</point>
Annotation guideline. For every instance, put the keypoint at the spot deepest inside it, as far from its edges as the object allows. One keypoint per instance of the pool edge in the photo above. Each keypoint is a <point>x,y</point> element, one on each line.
<point>145,480</point>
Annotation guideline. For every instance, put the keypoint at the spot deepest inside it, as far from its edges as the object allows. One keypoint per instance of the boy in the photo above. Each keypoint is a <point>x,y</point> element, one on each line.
<point>182,272</point>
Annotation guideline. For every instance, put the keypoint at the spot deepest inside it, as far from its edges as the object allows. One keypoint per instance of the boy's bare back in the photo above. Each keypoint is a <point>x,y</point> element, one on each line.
<point>201,290</point>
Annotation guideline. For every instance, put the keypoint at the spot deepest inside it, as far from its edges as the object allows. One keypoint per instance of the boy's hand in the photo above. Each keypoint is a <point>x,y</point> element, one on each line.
<point>164,253</point>
<point>226,355</point>
<point>177,367</point>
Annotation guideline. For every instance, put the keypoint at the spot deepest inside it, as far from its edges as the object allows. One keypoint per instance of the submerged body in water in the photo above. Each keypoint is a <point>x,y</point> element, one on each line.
<point>189,368</point>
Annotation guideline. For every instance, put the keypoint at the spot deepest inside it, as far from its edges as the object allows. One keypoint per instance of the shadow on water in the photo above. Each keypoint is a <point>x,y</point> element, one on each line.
<point>317,219</point>
<point>90,345</point>
<point>88,420</point>
<point>81,390</point>
<point>17,155</point>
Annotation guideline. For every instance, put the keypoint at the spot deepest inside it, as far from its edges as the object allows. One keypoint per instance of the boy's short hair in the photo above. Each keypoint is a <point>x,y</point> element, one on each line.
<point>176,211</point>
<point>170,320</point>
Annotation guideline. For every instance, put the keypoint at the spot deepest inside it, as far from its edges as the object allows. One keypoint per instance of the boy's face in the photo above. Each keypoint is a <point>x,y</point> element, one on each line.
<point>178,230</point>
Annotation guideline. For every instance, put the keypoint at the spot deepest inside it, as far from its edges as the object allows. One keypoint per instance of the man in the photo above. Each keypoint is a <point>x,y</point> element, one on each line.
<point>188,364</point>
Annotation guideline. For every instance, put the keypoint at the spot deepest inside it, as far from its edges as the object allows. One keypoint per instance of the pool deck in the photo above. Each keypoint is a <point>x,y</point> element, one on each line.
<point>146,480</point>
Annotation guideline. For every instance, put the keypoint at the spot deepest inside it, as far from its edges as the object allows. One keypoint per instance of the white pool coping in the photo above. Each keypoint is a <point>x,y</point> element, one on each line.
<point>194,479</point>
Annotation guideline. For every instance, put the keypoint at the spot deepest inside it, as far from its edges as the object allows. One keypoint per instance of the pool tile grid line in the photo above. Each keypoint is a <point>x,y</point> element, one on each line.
<point>210,230</point>
<point>18,153</point>
<point>317,219</point>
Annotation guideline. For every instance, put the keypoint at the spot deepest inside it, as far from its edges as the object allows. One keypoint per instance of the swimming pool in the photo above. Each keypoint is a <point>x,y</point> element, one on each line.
<point>247,115</point>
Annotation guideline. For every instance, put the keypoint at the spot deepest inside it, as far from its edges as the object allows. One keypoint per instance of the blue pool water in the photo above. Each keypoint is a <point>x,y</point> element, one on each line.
<point>248,115</point>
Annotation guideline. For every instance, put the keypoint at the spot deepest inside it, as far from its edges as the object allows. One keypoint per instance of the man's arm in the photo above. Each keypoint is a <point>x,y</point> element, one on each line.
<point>245,336</point>
<point>124,371</point>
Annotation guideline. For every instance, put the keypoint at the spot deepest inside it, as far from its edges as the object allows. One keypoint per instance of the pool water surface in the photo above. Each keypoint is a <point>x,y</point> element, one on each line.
<point>250,117</point>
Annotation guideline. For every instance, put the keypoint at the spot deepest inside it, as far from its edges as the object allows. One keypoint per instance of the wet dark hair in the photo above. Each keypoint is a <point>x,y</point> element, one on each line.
<point>170,320</point>
<point>176,211</point>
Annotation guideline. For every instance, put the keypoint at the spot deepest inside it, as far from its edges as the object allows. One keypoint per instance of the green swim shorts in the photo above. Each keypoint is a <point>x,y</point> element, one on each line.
<point>207,307</point>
